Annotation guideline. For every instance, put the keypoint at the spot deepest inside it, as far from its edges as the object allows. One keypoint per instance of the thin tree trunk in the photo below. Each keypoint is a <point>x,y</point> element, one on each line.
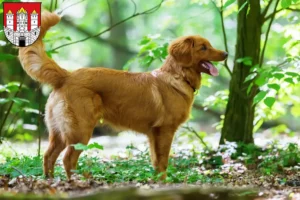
<point>239,115</point>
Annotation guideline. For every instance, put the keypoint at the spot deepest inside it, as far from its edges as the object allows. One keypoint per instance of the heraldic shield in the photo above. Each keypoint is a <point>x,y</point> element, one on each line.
<point>22,22</point>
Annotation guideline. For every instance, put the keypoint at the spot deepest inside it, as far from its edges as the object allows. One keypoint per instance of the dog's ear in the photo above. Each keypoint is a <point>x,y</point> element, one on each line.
<point>181,50</point>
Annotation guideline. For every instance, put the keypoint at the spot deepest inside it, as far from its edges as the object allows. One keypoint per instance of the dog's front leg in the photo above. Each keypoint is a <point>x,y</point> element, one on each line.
<point>160,144</point>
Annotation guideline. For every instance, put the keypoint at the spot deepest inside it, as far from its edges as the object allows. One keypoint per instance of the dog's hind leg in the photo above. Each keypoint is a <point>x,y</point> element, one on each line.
<point>71,156</point>
<point>56,146</point>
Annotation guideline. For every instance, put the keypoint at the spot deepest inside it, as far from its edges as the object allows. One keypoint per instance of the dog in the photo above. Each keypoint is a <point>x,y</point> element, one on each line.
<point>153,103</point>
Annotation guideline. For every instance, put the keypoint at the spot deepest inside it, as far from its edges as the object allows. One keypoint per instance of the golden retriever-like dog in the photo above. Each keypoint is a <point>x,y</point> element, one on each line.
<point>154,103</point>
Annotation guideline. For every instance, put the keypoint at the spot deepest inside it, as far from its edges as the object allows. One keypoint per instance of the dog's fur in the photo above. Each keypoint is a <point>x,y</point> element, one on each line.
<point>154,103</point>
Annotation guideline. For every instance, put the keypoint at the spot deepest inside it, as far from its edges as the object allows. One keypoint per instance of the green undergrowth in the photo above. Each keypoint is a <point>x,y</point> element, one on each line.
<point>186,166</point>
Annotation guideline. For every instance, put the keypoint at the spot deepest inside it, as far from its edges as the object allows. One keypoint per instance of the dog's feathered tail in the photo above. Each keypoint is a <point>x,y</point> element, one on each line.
<point>36,62</point>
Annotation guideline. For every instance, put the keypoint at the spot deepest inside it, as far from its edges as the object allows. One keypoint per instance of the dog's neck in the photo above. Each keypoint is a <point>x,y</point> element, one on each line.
<point>190,75</point>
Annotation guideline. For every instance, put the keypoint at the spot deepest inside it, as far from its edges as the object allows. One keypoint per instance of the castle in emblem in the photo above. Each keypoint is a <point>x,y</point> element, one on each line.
<point>21,36</point>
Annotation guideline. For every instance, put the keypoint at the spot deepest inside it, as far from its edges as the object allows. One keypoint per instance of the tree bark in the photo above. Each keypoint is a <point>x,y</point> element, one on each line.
<point>118,35</point>
<point>239,115</point>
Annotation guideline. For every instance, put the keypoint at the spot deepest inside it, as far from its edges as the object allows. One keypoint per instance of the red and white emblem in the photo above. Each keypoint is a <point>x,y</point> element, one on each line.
<point>22,22</point>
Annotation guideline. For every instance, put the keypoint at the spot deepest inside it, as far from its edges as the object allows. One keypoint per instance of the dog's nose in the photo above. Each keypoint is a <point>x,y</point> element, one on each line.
<point>225,54</point>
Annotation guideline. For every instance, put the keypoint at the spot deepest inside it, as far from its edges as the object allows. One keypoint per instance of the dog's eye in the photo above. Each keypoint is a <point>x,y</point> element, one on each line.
<point>203,48</point>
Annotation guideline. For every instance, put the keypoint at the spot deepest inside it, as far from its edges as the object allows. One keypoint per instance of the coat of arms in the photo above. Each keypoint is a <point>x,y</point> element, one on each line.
<point>22,22</point>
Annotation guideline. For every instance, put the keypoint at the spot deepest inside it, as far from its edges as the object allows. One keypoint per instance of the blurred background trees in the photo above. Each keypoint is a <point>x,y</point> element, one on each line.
<point>258,87</point>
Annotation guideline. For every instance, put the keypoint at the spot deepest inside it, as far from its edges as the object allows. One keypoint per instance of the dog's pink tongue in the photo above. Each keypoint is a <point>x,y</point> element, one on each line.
<point>212,69</point>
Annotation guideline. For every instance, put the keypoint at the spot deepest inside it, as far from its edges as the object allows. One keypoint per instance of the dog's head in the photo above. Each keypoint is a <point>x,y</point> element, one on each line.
<point>196,51</point>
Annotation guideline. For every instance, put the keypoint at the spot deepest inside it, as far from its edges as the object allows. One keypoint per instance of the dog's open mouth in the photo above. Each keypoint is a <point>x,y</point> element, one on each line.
<point>209,68</point>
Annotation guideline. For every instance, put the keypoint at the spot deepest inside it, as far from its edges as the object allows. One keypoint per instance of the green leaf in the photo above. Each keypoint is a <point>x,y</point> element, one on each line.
<point>249,88</point>
<point>260,81</point>
<point>31,110</point>
<point>289,80</point>
<point>12,86</point>
<point>269,101</point>
<point>80,146</point>
<point>147,60</point>
<point>293,74</point>
<point>241,8</point>
<point>274,86</point>
<point>145,40</point>
<point>83,147</point>
<point>250,77</point>
<point>260,96</point>
<point>228,3</point>
<point>4,57</point>
<point>286,3</point>
<point>95,145</point>
<point>246,61</point>
<point>3,100</point>
<point>278,76</point>
<point>19,101</point>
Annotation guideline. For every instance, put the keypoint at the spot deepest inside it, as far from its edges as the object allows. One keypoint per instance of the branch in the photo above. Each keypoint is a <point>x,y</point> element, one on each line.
<point>195,132</point>
<point>134,4</point>
<point>149,11</point>
<point>110,12</point>
<point>61,11</point>
<point>277,11</point>
<point>98,39</point>
<point>267,36</point>
<point>207,110</point>
<point>266,9</point>
<point>224,33</point>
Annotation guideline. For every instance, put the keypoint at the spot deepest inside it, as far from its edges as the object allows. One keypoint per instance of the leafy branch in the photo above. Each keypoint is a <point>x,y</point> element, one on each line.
<point>220,10</point>
<point>135,14</point>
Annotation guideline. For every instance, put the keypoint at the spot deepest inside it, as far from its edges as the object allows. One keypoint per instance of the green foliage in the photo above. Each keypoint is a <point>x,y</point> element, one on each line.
<point>151,49</point>
<point>16,166</point>
<point>4,57</point>
<point>277,159</point>
<point>94,145</point>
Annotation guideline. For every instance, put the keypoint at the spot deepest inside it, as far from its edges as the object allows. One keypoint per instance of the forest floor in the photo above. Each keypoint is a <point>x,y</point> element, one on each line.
<point>269,170</point>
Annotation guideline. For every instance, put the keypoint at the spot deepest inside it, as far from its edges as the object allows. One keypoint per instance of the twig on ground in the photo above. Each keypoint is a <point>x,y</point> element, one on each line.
<point>18,171</point>
<point>149,11</point>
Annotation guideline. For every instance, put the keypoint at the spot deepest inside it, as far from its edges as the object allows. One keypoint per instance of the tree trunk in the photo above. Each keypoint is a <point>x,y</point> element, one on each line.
<point>118,35</point>
<point>239,115</point>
